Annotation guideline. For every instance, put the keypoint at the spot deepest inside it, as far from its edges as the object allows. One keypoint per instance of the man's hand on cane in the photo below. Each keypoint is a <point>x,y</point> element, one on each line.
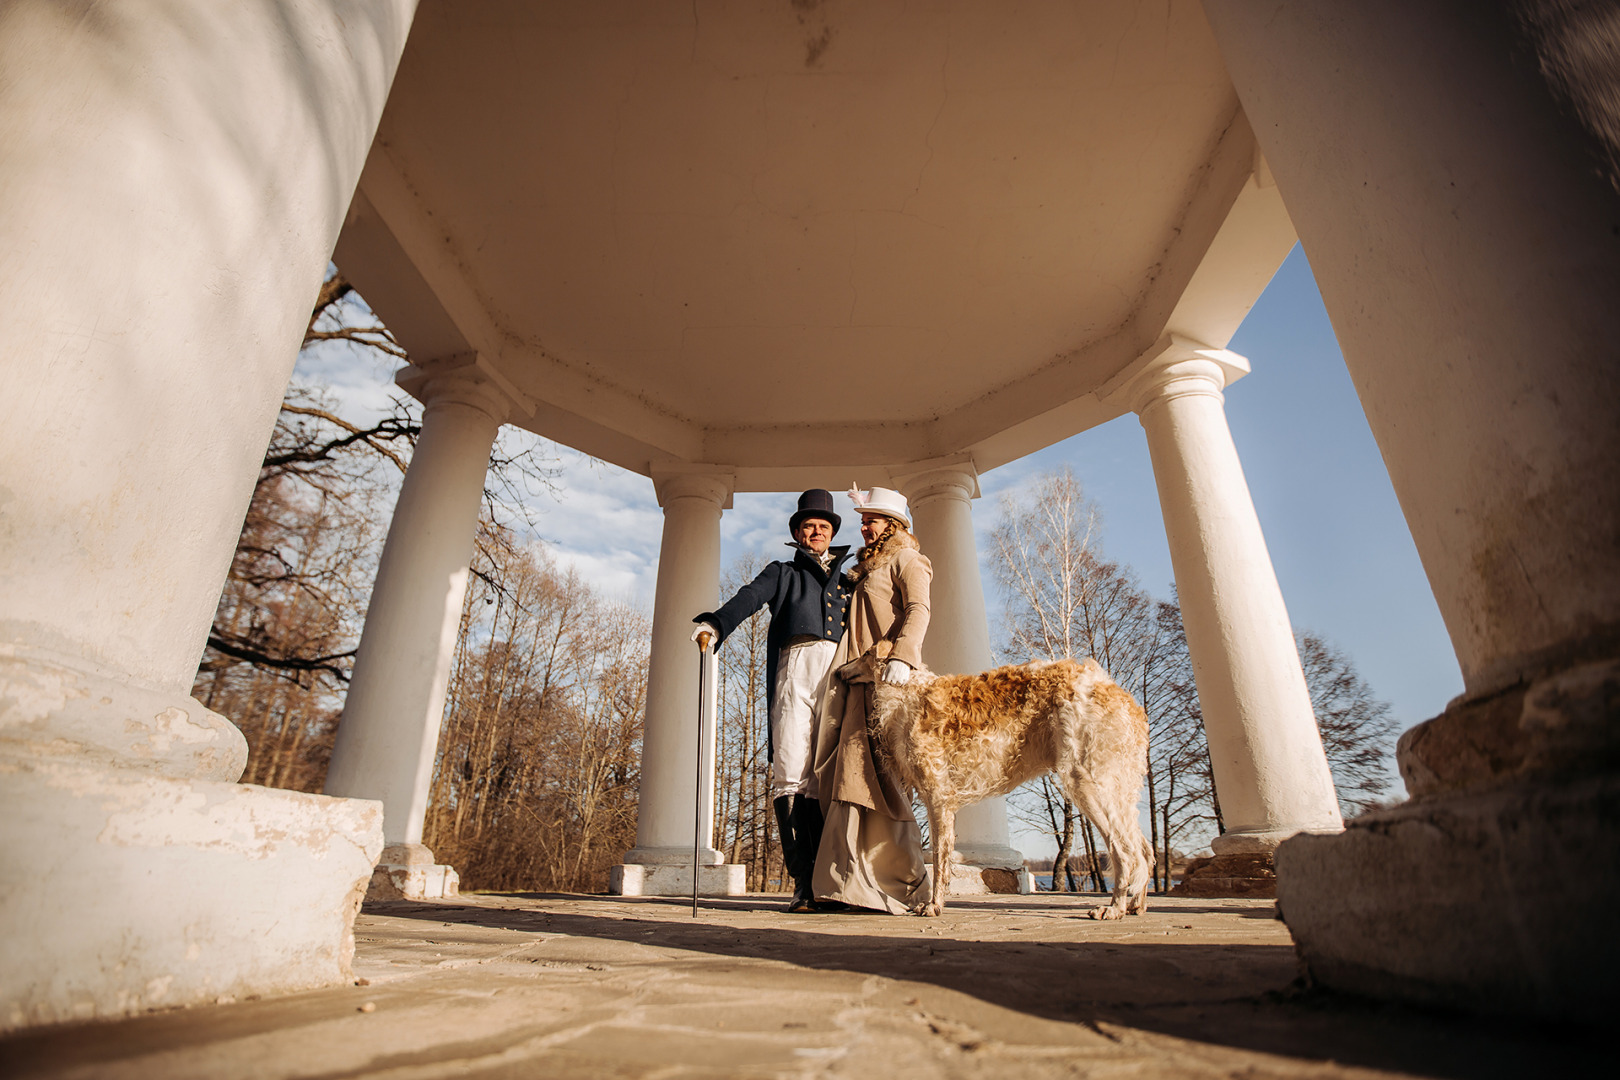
<point>706,628</point>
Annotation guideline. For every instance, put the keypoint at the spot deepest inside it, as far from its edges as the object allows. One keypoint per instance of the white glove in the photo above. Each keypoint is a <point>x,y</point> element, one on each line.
<point>707,628</point>
<point>897,672</point>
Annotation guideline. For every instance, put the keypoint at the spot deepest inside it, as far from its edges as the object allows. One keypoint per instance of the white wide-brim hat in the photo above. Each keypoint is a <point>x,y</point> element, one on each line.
<point>880,500</point>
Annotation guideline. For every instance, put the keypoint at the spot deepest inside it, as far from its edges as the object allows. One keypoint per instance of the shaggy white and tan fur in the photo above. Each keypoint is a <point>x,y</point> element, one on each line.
<point>957,739</point>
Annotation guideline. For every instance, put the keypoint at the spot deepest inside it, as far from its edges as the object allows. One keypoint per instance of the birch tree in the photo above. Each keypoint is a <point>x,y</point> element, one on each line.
<point>1064,599</point>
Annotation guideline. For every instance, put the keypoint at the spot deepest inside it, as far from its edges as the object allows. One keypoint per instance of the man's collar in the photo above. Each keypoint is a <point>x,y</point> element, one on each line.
<point>834,554</point>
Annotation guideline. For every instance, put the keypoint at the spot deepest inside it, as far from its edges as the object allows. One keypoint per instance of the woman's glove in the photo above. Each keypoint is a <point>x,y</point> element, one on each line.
<point>706,627</point>
<point>897,672</point>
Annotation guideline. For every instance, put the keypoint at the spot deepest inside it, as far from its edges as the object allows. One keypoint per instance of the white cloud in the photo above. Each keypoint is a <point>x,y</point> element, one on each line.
<point>359,380</point>
<point>602,521</point>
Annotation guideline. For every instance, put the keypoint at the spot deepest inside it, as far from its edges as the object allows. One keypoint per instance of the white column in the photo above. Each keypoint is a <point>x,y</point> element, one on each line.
<point>1270,770</point>
<point>1451,170</point>
<point>958,641</point>
<point>1459,213</point>
<point>389,732</point>
<point>688,582</point>
<point>162,249</point>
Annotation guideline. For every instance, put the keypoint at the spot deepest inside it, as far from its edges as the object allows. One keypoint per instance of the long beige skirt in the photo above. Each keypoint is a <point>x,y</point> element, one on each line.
<point>870,860</point>
<point>871,848</point>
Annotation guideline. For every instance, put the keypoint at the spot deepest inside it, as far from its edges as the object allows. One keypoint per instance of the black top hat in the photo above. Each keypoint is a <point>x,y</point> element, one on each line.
<point>815,503</point>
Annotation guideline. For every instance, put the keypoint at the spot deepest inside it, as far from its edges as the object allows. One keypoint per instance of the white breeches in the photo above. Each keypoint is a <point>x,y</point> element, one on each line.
<point>801,676</point>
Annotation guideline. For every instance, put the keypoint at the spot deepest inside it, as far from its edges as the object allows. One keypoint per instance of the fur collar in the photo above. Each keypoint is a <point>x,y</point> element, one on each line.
<point>886,551</point>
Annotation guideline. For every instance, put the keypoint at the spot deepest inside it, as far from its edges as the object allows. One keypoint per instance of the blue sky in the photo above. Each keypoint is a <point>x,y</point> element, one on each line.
<point>1341,548</point>
<point>1343,554</point>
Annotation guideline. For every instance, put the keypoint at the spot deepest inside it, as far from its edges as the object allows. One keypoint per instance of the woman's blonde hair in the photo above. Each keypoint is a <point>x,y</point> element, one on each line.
<point>872,550</point>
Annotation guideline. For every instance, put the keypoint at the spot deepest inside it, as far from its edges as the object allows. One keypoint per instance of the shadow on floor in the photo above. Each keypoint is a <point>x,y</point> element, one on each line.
<point>1233,995</point>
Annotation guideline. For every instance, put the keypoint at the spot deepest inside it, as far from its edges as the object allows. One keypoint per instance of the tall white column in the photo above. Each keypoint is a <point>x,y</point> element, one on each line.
<point>958,641</point>
<point>389,732</point>
<point>1271,773</point>
<point>1454,173</point>
<point>688,582</point>
<point>1460,222</point>
<point>162,249</point>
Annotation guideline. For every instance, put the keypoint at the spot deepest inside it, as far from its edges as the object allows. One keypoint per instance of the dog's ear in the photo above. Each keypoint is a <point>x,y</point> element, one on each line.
<point>858,670</point>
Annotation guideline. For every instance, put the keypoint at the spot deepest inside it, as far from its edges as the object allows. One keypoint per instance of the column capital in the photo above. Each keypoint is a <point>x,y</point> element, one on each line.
<point>711,483</point>
<point>465,379</point>
<point>952,477</point>
<point>1174,367</point>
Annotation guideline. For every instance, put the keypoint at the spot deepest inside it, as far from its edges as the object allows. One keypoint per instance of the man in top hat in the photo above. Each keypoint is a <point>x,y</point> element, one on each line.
<point>807,596</point>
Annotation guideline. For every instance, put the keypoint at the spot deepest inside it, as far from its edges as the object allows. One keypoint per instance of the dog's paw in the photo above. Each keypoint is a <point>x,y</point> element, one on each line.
<point>930,910</point>
<point>1108,912</point>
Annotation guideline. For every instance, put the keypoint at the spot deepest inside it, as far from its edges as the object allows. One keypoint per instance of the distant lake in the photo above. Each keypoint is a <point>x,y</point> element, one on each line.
<point>1043,882</point>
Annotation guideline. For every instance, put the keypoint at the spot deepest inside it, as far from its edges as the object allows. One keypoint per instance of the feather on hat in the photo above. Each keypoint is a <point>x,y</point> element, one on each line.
<point>881,500</point>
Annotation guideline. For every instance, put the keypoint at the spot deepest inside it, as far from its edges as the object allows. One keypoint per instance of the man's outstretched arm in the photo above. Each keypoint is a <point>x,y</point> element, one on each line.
<point>749,599</point>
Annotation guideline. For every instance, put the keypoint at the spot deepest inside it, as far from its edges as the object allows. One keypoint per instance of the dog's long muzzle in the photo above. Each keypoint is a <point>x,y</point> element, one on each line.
<point>864,668</point>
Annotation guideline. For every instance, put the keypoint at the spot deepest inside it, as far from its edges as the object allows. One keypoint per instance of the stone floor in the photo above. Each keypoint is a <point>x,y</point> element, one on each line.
<point>579,986</point>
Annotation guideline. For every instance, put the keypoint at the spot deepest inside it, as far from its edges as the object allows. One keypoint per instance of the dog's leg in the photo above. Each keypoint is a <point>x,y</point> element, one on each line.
<point>1129,850</point>
<point>1083,792</point>
<point>942,827</point>
<point>1138,904</point>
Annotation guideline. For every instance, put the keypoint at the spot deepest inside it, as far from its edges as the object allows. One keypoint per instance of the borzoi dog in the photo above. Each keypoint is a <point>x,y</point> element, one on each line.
<point>957,739</point>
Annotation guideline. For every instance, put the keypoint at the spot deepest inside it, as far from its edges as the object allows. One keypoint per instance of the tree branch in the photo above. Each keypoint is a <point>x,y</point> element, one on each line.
<point>238,651</point>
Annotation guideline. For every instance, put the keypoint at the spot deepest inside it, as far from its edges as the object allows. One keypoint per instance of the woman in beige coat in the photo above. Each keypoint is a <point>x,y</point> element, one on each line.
<point>871,849</point>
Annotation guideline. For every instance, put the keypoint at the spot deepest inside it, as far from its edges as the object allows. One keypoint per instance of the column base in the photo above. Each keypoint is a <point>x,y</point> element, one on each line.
<point>971,879</point>
<point>58,706</point>
<point>1493,889</point>
<point>1498,901</point>
<point>128,891</point>
<point>1251,874</point>
<point>673,856</point>
<point>642,879</point>
<point>409,872</point>
<point>983,869</point>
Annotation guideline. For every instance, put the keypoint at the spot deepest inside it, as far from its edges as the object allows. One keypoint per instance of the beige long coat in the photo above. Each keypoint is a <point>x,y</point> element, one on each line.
<point>871,849</point>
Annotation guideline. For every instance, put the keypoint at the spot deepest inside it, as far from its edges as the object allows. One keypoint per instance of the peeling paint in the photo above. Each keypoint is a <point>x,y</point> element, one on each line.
<point>169,726</point>
<point>28,695</point>
<point>146,891</point>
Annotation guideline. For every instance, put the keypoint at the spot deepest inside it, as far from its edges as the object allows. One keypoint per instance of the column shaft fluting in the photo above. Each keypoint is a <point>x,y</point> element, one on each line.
<point>688,582</point>
<point>958,640</point>
<point>1271,774</point>
<point>390,728</point>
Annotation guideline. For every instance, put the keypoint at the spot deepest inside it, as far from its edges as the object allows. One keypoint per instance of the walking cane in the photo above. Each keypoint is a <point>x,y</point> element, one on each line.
<point>697,788</point>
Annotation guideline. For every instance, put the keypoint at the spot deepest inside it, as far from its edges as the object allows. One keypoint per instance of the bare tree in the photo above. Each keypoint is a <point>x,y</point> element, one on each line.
<point>1063,599</point>
<point>743,816</point>
<point>539,755</point>
<point>285,632</point>
<point>1179,786</point>
<point>1358,731</point>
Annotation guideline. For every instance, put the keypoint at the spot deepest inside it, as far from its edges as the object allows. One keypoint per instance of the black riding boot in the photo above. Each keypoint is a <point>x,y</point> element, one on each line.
<point>786,827</point>
<point>806,817</point>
